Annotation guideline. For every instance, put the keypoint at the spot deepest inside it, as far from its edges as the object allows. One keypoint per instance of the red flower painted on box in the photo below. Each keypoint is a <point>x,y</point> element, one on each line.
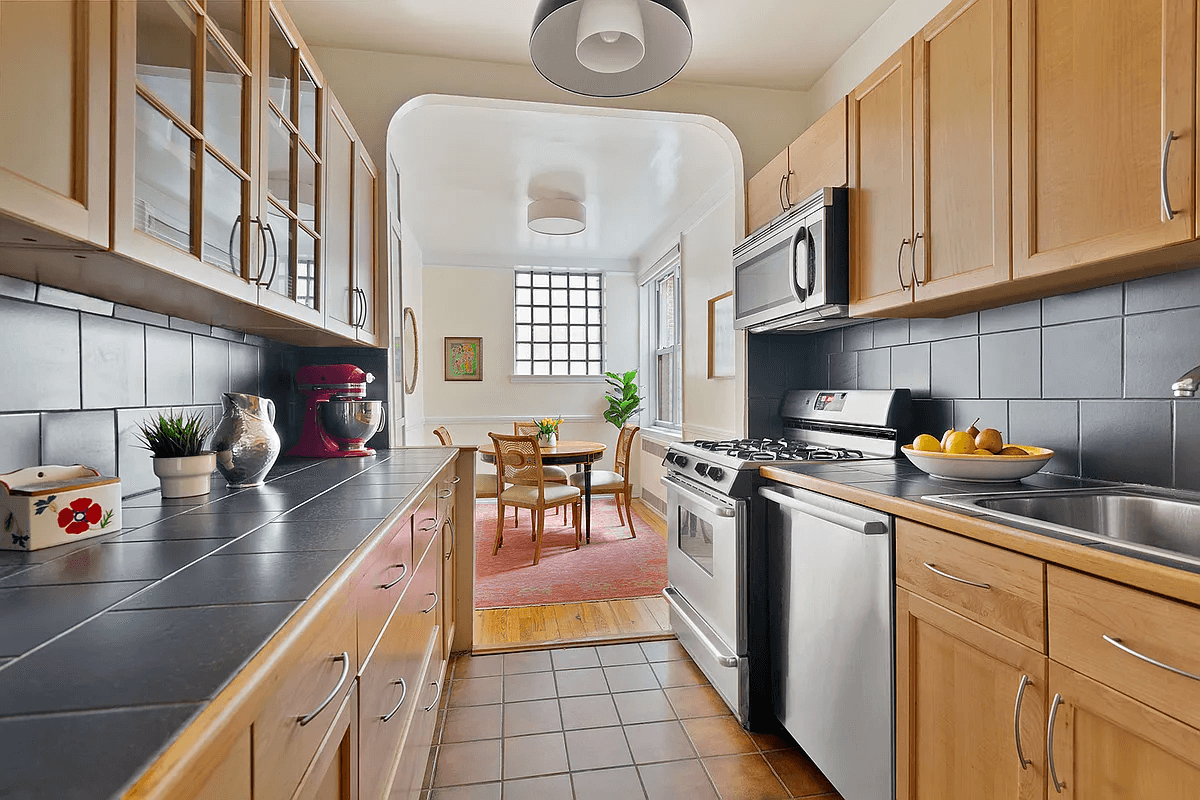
<point>80,515</point>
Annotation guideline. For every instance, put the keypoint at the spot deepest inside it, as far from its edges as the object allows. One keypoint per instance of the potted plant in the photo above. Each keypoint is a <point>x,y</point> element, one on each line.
<point>548,431</point>
<point>176,441</point>
<point>622,396</point>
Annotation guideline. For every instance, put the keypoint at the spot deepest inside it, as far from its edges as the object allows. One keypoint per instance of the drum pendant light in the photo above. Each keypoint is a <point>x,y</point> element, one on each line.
<point>610,48</point>
<point>557,216</point>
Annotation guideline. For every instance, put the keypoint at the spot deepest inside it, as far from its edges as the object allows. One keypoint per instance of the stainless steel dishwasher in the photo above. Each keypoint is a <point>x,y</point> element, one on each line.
<point>832,623</point>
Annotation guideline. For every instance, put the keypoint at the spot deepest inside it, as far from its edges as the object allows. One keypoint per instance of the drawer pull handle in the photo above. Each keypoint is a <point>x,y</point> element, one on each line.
<point>453,481</point>
<point>1025,762</point>
<point>400,577</point>
<point>1058,785</point>
<point>345,659</point>
<point>445,493</point>
<point>435,602</point>
<point>437,685</point>
<point>403,694</point>
<point>453,540</point>
<point>1117,643</point>
<point>937,571</point>
<point>432,524</point>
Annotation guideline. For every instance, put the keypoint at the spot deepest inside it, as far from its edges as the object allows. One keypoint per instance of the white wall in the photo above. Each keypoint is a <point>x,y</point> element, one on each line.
<point>412,268</point>
<point>372,86</point>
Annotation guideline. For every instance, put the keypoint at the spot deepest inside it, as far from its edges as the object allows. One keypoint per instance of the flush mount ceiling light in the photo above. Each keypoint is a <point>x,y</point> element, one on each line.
<point>610,48</point>
<point>557,216</point>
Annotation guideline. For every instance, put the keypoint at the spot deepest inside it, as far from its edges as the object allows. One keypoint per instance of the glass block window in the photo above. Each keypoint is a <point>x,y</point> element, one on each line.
<point>559,326</point>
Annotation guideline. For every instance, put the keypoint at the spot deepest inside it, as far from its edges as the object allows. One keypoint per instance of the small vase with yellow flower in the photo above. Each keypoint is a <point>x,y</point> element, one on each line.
<point>548,431</point>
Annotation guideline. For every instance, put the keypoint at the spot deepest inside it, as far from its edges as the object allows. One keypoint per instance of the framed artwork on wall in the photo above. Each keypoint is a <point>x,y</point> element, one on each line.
<point>464,358</point>
<point>721,358</point>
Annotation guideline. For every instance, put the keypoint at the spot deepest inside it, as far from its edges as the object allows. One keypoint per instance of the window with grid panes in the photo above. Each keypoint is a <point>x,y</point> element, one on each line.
<point>666,349</point>
<point>559,326</point>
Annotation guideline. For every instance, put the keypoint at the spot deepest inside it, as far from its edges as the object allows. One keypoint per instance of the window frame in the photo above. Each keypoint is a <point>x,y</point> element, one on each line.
<point>655,350</point>
<point>600,364</point>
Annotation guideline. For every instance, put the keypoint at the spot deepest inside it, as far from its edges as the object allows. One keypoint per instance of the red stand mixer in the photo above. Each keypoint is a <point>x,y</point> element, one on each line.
<point>338,420</point>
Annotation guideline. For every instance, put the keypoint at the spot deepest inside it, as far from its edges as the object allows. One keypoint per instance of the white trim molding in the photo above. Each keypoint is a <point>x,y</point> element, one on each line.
<point>692,431</point>
<point>435,421</point>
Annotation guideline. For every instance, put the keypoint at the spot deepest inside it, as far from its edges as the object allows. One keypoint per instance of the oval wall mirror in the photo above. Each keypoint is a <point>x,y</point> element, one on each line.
<point>410,343</point>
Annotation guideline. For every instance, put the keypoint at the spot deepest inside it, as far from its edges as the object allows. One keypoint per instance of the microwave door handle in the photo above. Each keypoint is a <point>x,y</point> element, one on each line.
<point>811,259</point>
<point>798,291</point>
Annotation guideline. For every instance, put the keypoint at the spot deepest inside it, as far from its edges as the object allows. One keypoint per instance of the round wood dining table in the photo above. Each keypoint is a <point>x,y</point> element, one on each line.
<point>582,454</point>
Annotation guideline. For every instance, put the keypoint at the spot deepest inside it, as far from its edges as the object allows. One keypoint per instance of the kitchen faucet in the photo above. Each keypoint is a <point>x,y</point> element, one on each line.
<point>1187,385</point>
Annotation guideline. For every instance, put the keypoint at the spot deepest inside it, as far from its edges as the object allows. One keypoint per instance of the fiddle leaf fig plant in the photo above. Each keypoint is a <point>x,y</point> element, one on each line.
<point>623,398</point>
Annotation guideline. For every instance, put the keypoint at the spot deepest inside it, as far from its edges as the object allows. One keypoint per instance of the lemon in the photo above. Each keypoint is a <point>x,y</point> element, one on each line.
<point>946,437</point>
<point>926,444</point>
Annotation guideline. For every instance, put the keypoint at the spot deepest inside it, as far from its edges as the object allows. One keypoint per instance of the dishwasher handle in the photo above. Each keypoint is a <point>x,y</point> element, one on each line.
<point>865,527</point>
<point>719,654</point>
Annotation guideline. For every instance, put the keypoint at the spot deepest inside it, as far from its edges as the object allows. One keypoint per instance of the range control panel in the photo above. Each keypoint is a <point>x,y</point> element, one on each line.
<point>830,401</point>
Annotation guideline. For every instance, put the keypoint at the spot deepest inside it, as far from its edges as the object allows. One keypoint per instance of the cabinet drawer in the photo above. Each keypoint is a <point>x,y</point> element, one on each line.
<point>390,688</point>
<point>414,753</point>
<point>380,585</point>
<point>997,588</point>
<point>1085,610</point>
<point>425,521</point>
<point>312,675</point>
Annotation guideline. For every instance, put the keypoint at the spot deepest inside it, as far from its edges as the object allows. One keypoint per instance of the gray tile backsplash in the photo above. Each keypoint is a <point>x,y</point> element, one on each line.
<point>1087,374</point>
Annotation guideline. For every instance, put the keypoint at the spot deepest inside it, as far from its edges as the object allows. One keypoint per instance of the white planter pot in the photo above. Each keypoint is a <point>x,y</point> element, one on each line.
<point>185,477</point>
<point>550,440</point>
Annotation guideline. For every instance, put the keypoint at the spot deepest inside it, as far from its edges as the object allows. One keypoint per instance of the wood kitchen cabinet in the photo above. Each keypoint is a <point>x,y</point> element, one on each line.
<point>352,241</point>
<point>333,773</point>
<point>765,199</point>
<point>54,89</point>
<point>1098,91</point>
<point>970,708</point>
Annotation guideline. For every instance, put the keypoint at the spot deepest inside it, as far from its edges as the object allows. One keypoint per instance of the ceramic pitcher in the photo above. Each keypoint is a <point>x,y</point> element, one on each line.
<point>245,441</point>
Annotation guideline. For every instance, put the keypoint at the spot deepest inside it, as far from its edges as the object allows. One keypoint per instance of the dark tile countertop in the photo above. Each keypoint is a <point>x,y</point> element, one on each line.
<point>110,647</point>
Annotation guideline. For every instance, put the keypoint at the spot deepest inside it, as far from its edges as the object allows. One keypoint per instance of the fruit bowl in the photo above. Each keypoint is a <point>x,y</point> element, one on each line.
<point>984,469</point>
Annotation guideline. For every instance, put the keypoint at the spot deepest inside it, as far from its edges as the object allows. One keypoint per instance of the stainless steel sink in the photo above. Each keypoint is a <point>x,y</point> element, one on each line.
<point>1138,519</point>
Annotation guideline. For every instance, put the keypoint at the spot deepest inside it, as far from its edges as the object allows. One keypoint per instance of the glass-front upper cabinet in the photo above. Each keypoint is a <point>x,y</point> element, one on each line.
<point>292,152</point>
<point>185,157</point>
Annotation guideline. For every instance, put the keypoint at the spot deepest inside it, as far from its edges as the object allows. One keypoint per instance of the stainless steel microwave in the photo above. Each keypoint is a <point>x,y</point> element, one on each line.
<point>795,273</point>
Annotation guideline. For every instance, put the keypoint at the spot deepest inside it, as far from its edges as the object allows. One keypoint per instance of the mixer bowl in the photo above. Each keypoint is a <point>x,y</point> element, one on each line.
<point>352,419</point>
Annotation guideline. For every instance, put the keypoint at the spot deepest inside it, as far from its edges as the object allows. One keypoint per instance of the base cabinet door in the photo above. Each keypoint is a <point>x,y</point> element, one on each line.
<point>1096,174</point>
<point>1107,745</point>
<point>333,773</point>
<point>970,708</point>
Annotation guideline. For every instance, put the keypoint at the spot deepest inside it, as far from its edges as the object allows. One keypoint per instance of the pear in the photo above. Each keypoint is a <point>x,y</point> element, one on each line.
<point>989,439</point>
<point>960,442</point>
<point>973,431</point>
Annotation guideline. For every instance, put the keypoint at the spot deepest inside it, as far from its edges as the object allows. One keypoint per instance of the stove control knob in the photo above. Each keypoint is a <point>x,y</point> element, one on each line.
<point>680,460</point>
<point>702,468</point>
<point>716,473</point>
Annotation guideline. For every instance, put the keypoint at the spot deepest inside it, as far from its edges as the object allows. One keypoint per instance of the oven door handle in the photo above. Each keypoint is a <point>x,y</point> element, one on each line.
<point>697,499</point>
<point>865,527</point>
<point>719,654</point>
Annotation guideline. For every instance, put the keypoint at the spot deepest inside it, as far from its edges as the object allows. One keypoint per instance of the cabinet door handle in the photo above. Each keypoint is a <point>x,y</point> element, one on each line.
<point>1124,648</point>
<point>913,259</point>
<point>435,602</point>
<point>899,259</point>
<point>274,256</point>
<point>232,234</point>
<point>436,697</point>
<point>453,481</point>
<point>1025,762</point>
<point>1058,785</point>
<point>1166,191</point>
<point>782,202</point>
<point>400,577</point>
<point>453,540</point>
<point>362,322</point>
<point>262,262</point>
<point>403,694</point>
<point>432,524</point>
<point>787,190</point>
<point>445,493</point>
<point>937,571</point>
<point>345,659</point>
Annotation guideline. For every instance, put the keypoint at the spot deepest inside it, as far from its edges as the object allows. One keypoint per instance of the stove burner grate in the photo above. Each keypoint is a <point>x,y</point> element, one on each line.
<point>777,450</point>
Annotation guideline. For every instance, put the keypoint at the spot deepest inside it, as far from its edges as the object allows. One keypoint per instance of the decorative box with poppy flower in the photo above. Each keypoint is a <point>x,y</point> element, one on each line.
<point>44,506</point>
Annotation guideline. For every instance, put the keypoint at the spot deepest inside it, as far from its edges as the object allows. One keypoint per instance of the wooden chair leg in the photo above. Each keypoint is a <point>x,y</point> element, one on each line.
<point>629,512</point>
<point>499,531</point>
<point>540,523</point>
<point>617,500</point>
<point>578,523</point>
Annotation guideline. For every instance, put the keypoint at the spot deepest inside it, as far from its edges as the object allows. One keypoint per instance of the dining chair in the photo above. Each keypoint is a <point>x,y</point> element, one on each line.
<point>519,462</point>
<point>615,483</point>
<point>554,474</point>
<point>485,482</point>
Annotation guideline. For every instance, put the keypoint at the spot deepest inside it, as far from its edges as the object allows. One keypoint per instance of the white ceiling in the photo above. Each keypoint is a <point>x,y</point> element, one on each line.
<point>773,44</point>
<point>471,167</point>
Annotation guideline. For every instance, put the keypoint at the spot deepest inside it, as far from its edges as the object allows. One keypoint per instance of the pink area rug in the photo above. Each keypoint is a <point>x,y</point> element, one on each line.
<point>613,567</point>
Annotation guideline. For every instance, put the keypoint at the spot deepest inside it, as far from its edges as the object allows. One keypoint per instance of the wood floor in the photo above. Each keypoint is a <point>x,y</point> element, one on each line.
<point>499,630</point>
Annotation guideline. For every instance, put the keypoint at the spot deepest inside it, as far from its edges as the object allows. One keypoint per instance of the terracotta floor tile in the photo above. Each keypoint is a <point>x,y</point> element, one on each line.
<point>575,682</point>
<point>678,673</point>
<point>575,658</point>
<point>597,748</point>
<point>535,661</point>
<point>799,774</point>
<point>771,741</point>
<point>530,686</point>
<point>537,716</point>
<point>591,711</point>
<point>475,692</point>
<point>696,701</point>
<point>547,787</point>
<point>677,780</point>
<point>480,791</point>
<point>718,736</point>
<point>659,741</point>
<point>744,778</point>
<point>470,723</point>
<point>670,650</point>
<point>621,783</point>
<point>652,706</point>
<point>468,762</point>
<point>631,678</point>
<point>526,756</point>
<point>614,655</point>
<point>478,667</point>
